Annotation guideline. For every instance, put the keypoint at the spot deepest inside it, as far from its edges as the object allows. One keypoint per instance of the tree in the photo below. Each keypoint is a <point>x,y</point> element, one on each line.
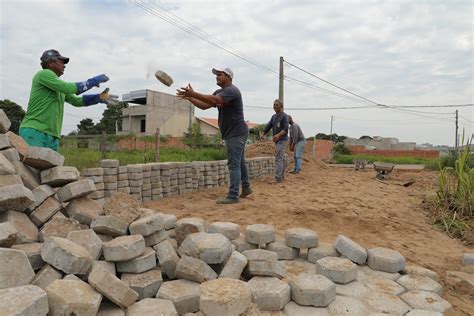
<point>194,137</point>
<point>112,118</point>
<point>365,137</point>
<point>14,112</point>
<point>334,137</point>
<point>87,127</point>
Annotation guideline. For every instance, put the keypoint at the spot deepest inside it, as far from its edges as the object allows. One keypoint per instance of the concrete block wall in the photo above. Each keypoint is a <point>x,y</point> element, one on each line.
<point>154,181</point>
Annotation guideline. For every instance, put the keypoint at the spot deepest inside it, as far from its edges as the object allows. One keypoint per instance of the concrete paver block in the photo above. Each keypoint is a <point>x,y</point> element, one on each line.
<point>323,250</point>
<point>11,154</point>
<point>15,268</point>
<point>28,175</point>
<point>283,251</point>
<point>91,172</point>
<point>194,269</point>
<point>312,289</point>
<point>292,309</point>
<point>18,143</point>
<point>225,297</point>
<point>427,301</point>
<point>75,190</point>
<point>269,293</point>
<point>33,252</point>
<point>387,304</point>
<point>422,312</point>
<point>461,281</point>
<point>109,163</point>
<point>365,271</point>
<point>146,261</point>
<point>15,198</point>
<point>421,271</point>
<point>88,239</point>
<point>40,194</point>
<point>45,211</point>
<point>234,266</point>
<point>27,231</point>
<point>59,227</point>
<point>353,289</point>
<point>467,259</point>
<point>146,284</point>
<point>384,259</point>
<point>380,284</point>
<point>183,293</point>
<point>112,287</point>
<point>8,235</point>
<point>169,219</point>
<point>151,306</point>
<point>228,229</point>
<point>124,248</point>
<point>84,210</point>
<point>69,297</point>
<point>109,225</point>
<point>338,270</point>
<point>46,276</point>
<point>66,255</point>
<point>10,179</point>
<point>349,306</point>
<point>188,225</point>
<point>259,234</point>
<point>263,263</point>
<point>241,244</point>
<point>155,238</point>
<point>301,238</point>
<point>4,122</point>
<point>59,176</point>
<point>109,309</point>
<point>4,142</point>
<point>421,283</point>
<point>6,167</point>
<point>167,257</point>
<point>350,249</point>
<point>147,225</point>
<point>24,300</point>
<point>43,158</point>
<point>211,248</point>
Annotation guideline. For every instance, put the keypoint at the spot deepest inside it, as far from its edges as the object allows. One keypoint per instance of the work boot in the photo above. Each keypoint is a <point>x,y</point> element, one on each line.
<point>246,192</point>
<point>227,200</point>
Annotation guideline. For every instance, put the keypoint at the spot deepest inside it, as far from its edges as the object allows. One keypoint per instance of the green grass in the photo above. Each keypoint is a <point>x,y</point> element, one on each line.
<point>347,159</point>
<point>82,158</point>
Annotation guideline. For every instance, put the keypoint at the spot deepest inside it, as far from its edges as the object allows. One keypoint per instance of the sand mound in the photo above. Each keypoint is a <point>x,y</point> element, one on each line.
<point>123,206</point>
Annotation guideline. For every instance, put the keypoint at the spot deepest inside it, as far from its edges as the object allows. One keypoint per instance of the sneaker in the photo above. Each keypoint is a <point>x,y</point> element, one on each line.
<point>246,192</point>
<point>293,172</point>
<point>227,200</point>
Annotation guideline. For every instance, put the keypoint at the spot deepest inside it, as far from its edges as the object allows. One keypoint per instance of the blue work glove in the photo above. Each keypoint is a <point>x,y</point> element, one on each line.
<point>90,99</point>
<point>90,83</point>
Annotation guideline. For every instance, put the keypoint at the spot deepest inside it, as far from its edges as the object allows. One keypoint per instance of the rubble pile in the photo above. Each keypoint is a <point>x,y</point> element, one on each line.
<point>64,253</point>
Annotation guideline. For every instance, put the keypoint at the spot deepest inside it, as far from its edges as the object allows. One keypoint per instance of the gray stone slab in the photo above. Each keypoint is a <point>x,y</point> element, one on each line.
<point>24,300</point>
<point>109,163</point>
<point>301,238</point>
<point>146,284</point>
<point>75,190</point>
<point>380,284</point>
<point>4,142</point>
<point>43,158</point>
<point>45,211</point>
<point>350,249</point>
<point>142,263</point>
<point>151,306</point>
<point>420,283</point>
<point>211,248</point>
<point>29,178</point>
<point>59,176</point>
<point>11,179</point>
<point>70,297</point>
<point>8,235</point>
<point>183,293</point>
<point>4,122</point>
<point>283,251</point>
<point>66,255</point>
<point>59,227</point>
<point>225,297</point>
<point>6,167</point>
<point>234,266</point>
<point>338,270</point>
<point>40,194</point>
<point>293,309</point>
<point>18,143</point>
<point>427,301</point>
<point>88,239</point>
<point>387,303</point>
<point>27,231</point>
<point>156,238</point>
<point>167,257</point>
<point>45,276</point>
<point>323,250</point>
<point>269,293</point>
<point>384,259</point>
<point>16,270</point>
<point>188,225</point>
<point>241,245</point>
<point>109,225</point>
<point>263,263</point>
<point>124,248</point>
<point>15,198</point>
<point>259,234</point>
<point>84,210</point>
<point>348,306</point>
<point>147,225</point>
<point>11,154</point>
<point>194,269</point>
<point>312,289</point>
<point>228,229</point>
<point>33,252</point>
<point>421,271</point>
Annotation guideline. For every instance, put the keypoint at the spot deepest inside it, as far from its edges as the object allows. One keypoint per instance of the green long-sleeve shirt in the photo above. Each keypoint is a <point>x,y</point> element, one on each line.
<point>46,105</point>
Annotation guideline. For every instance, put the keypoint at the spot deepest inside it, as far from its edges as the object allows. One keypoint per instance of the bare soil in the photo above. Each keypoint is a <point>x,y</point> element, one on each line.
<point>334,201</point>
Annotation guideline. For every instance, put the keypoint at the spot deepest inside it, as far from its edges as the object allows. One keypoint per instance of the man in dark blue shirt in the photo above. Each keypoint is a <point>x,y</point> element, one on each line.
<point>279,126</point>
<point>234,130</point>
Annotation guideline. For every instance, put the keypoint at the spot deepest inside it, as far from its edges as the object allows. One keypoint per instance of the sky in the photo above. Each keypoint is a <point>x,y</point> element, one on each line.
<point>392,53</point>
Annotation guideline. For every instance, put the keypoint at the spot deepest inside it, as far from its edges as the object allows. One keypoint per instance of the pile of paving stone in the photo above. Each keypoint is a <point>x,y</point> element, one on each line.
<point>62,253</point>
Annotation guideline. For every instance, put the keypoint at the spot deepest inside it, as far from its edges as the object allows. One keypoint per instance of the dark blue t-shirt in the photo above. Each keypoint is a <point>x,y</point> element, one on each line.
<point>277,123</point>
<point>231,115</point>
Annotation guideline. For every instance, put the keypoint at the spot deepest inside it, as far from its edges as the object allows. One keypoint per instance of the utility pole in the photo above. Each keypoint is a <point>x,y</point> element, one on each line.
<point>456,140</point>
<point>280,86</point>
<point>332,119</point>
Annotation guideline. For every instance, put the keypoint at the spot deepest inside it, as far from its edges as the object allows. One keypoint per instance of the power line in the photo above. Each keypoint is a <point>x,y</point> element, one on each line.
<point>316,109</point>
<point>434,106</point>
<point>466,119</point>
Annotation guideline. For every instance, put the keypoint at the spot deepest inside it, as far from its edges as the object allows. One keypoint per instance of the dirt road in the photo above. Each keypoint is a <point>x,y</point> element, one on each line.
<point>334,201</point>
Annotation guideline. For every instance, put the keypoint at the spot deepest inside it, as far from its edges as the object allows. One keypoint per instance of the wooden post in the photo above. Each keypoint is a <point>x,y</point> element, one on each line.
<point>103,145</point>
<point>157,155</point>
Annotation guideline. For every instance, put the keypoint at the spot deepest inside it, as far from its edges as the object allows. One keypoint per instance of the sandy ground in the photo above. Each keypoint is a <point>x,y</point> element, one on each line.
<point>334,201</point>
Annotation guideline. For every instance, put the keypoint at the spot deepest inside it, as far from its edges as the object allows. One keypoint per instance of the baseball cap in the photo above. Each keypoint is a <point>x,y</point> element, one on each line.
<point>52,53</point>
<point>225,70</point>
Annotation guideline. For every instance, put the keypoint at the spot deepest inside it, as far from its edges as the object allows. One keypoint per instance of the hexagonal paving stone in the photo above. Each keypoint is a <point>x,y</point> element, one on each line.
<point>194,269</point>
<point>384,259</point>
<point>312,289</point>
<point>124,248</point>
<point>292,309</point>
<point>210,248</point>
<point>301,238</point>
<point>421,271</point>
<point>427,301</point>
<point>188,225</point>
<point>323,250</point>
<point>228,229</point>
<point>146,261</point>
<point>152,306</point>
<point>88,239</point>
<point>259,234</point>
<point>283,251</point>
<point>67,297</point>
<point>350,249</point>
<point>224,297</point>
<point>338,270</point>
<point>269,293</point>
<point>348,306</point>
<point>183,293</point>
<point>387,303</point>
<point>421,283</point>
<point>23,300</point>
<point>66,255</point>
<point>146,284</point>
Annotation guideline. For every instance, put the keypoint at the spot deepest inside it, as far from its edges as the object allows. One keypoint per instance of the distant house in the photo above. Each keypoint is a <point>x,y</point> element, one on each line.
<point>382,143</point>
<point>210,126</point>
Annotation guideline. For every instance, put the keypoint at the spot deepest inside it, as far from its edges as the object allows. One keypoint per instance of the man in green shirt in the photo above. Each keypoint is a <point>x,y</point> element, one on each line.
<point>43,120</point>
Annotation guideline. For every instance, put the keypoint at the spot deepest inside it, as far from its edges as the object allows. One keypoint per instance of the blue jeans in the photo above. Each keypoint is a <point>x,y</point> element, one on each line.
<point>236,163</point>
<point>299,150</point>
